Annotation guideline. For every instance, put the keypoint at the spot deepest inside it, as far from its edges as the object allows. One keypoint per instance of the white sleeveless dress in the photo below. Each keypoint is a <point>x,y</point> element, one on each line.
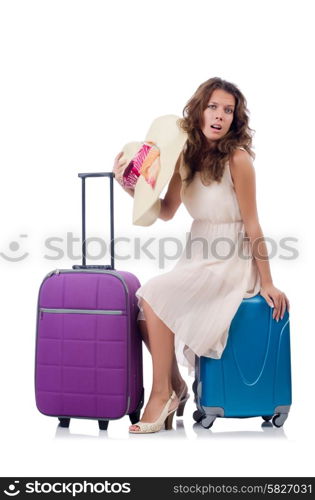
<point>199,297</point>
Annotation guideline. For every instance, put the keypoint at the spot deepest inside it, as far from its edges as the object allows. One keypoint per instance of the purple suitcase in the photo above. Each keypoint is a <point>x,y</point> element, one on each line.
<point>88,361</point>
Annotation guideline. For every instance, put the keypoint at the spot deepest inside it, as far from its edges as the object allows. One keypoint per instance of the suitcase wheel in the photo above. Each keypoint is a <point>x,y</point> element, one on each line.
<point>207,422</point>
<point>198,415</point>
<point>279,419</point>
<point>267,418</point>
<point>103,424</point>
<point>64,422</point>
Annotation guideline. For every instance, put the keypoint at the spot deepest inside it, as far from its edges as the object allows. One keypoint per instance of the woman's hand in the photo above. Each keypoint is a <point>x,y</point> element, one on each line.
<point>275,298</point>
<point>119,167</point>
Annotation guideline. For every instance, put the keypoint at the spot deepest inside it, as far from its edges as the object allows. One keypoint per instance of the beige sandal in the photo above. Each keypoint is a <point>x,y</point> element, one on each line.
<point>166,418</point>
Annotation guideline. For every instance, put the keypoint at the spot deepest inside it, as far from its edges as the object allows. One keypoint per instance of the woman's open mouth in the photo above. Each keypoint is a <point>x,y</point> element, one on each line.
<point>216,127</point>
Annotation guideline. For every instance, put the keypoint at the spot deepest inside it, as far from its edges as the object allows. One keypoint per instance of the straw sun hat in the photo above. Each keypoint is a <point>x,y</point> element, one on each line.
<point>150,166</point>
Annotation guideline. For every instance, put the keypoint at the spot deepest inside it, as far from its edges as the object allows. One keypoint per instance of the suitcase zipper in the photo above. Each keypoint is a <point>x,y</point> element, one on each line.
<point>79,311</point>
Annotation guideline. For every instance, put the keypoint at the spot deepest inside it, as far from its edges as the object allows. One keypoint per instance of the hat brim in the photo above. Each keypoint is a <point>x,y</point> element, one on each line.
<point>166,133</point>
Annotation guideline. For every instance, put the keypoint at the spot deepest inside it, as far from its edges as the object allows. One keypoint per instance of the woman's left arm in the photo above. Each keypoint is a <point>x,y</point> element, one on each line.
<point>243,175</point>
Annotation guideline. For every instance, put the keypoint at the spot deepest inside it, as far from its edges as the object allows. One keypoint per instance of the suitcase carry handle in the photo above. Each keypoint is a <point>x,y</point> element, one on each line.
<point>111,176</point>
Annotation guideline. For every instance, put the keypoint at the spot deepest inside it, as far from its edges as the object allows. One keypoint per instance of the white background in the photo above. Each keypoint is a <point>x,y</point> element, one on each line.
<point>79,79</point>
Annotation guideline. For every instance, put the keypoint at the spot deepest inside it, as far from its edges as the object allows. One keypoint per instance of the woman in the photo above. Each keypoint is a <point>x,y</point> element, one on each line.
<point>189,309</point>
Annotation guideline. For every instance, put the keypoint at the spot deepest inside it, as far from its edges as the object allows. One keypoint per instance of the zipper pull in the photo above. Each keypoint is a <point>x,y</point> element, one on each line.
<point>41,315</point>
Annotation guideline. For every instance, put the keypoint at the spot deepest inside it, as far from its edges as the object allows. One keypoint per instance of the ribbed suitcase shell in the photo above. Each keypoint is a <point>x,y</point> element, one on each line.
<point>88,348</point>
<point>253,376</point>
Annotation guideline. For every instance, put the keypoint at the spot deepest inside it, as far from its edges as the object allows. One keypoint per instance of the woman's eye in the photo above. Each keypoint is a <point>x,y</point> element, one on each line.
<point>211,106</point>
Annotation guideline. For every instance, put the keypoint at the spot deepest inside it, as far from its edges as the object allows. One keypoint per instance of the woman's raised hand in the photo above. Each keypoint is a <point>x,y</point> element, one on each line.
<point>119,167</point>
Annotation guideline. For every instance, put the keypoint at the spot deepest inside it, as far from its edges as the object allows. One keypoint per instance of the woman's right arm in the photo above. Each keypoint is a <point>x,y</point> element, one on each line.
<point>172,200</point>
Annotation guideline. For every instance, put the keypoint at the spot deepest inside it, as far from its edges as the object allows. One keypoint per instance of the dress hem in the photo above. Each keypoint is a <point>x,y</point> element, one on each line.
<point>181,357</point>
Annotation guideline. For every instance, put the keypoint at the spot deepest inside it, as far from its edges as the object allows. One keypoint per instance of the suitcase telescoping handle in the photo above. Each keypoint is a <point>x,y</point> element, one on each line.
<point>111,210</point>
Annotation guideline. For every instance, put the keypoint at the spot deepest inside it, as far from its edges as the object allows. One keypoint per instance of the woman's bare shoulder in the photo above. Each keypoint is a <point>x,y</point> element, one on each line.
<point>239,153</point>
<point>241,163</point>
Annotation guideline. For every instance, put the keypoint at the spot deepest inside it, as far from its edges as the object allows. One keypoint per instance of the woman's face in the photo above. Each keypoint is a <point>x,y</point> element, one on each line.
<point>219,112</point>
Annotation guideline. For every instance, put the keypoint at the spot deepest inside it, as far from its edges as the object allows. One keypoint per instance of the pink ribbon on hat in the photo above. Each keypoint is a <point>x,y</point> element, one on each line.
<point>146,162</point>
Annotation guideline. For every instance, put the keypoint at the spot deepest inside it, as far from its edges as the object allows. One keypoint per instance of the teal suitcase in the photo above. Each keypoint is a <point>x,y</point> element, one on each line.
<point>253,376</point>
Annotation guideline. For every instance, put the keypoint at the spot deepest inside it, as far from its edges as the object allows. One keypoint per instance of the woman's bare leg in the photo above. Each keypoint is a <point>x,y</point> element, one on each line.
<point>161,343</point>
<point>178,382</point>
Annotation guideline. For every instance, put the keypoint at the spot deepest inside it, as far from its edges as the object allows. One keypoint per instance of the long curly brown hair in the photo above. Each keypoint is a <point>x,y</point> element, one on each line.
<point>197,153</point>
